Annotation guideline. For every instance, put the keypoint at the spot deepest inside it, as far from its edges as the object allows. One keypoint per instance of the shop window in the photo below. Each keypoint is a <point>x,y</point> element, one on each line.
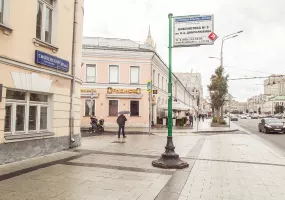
<point>113,107</point>
<point>135,73</point>
<point>135,108</point>
<point>89,107</point>
<point>113,74</point>
<point>91,73</point>
<point>44,20</point>
<point>25,112</point>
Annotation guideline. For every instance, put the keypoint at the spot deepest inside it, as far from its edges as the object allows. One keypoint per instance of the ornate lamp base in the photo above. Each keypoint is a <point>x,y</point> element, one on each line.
<point>169,159</point>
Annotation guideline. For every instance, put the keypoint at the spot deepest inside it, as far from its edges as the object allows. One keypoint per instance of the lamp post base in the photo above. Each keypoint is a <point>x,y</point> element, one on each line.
<point>169,159</point>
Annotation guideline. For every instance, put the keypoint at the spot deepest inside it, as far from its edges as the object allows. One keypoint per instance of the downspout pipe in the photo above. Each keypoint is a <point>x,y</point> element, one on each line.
<point>71,122</point>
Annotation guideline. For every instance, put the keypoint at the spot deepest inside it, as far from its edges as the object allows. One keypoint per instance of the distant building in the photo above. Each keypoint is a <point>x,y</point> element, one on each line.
<point>274,85</point>
<point>193,83</point>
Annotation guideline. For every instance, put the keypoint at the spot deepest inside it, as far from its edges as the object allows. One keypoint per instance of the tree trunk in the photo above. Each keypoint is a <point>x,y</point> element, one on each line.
<point>218,115</point>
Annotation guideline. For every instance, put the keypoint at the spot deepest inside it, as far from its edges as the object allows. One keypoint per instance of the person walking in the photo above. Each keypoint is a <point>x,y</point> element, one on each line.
<point>203,116</point>
<point>191,120</point>
<point>121,121</point>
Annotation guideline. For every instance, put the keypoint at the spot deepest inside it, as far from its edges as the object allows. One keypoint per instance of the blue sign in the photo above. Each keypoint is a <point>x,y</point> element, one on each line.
<point>51,61</point>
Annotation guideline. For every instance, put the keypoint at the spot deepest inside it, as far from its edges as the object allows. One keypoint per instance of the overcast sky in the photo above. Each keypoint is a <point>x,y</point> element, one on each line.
<point>258,51</point>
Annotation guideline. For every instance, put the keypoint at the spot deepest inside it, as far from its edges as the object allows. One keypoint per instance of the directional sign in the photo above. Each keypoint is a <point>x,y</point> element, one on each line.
<point>148,86</point>
<point>213,36</point>
<point>193,30</point>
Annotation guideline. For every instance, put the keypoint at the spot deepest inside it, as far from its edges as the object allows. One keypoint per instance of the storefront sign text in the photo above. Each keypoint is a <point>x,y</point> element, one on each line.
<point>88,90</point>
<point>123,91</point>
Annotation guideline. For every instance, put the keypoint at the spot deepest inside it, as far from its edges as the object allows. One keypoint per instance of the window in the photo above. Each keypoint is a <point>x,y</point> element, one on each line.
<point>113,107</point>
<point>91,73</point>
<point>135,72</point>
<point>44,20</point>
<point>1,11</point>
<point>25,112</point>
<point>135,108</point>
<point>113,74</point>
<point>89,108</point>
<point>158,80</point>
<point>162,80</point>
<point>153,77</point>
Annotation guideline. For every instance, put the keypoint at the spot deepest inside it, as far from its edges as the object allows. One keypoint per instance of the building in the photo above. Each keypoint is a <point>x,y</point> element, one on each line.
<point>40,62</point>
<point>275,85</point>
<point>193,83</point>
<point>115,73</point>
<point>271,102</point>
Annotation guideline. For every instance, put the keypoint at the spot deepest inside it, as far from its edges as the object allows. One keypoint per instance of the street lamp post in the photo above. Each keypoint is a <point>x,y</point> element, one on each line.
<point>227,37</point>
<point>169,159</point>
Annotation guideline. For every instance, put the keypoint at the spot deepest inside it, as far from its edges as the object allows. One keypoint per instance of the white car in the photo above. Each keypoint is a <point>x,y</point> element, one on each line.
<point>243,117</point>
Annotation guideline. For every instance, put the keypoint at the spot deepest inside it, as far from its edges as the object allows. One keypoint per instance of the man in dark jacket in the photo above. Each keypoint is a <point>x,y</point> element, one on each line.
<point>121,122</point>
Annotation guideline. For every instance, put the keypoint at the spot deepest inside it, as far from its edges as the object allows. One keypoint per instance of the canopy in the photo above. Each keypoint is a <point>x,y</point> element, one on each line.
<point>176,106</point>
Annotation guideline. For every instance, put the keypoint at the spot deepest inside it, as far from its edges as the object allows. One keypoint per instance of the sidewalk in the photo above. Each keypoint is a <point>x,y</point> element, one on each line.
<point>222,167</point>
<point>203,127</point>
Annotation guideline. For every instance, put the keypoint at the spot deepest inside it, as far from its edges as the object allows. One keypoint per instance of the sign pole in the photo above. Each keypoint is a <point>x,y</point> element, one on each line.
<point>169,159</point>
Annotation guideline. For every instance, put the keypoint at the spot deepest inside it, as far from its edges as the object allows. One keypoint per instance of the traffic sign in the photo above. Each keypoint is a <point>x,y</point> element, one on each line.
<point>148,86</point>
<point>213,36</point>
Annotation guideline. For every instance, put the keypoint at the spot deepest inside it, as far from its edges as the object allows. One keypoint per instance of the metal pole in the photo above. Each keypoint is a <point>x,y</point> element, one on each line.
<point>149,109</point>
<point>169,159</point>
<point>170,78</point>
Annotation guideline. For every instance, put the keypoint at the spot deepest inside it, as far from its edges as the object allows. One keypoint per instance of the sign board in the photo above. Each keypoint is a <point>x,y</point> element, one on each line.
<point>51,61</point>
<point>1,86</point>
<point>123,91</point>
<point>193,30</point>
<point>148,86</point>
<point>154,91</point>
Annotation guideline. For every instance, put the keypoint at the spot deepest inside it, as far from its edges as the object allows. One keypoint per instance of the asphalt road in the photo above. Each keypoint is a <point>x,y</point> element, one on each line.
<point>277,139</point>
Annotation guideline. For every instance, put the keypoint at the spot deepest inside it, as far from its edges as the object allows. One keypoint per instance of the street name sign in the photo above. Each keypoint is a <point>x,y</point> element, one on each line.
<point>148,86</point>
<point>193,30</point>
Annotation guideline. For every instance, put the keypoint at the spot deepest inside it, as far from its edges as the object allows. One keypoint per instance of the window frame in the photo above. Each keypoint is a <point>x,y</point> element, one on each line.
<point>153,77</point>
<point>138,75</point>
<point>158,77</point>
<point>139,109</point>
<point>162,85</point>
<point>86,74</point>
<point>2,11</point>
<point>118,76</point>
<point>46,5</point>
<point>109,107</point>
<point>27,103</point>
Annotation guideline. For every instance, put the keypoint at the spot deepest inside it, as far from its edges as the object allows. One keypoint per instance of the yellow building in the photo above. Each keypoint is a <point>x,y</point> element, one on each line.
<point>40,66</point>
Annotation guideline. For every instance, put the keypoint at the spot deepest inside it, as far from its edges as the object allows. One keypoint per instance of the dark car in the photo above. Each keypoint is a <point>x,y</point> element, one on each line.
<point>234,118</point>
<point>268,125</point>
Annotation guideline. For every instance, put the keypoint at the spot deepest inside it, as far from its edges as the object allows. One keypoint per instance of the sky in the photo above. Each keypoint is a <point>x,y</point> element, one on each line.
<point>257,52</point>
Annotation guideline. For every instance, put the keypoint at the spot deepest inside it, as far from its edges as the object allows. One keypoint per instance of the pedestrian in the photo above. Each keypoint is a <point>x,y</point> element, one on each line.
<point>191,120</point>
<point>199,116</point>
<point>121,121</point>
<point>187,120</point>
<point>203,116</point>
<point>195,117</point>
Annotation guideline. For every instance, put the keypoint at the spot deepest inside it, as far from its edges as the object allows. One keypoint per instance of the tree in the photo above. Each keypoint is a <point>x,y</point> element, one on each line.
<point>246,110</point>
<point>259,110</point>
<point>279,109</point>
<point>218,90</point>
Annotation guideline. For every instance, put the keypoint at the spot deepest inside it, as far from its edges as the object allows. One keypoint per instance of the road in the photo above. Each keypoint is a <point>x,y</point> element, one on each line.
<point>251,125</point>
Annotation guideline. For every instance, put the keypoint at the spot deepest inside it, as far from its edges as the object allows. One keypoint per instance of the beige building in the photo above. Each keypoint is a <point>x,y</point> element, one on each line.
<point>275,85</point>
<point>40,65</point>
<point>115,73</point>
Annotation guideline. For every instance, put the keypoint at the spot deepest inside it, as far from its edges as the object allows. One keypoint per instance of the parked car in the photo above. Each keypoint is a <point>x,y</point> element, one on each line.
<point>243,117</point>
<point>234,118</point>
<point>262,116</point>
<point>268,125</point>
<point>278,116</point>
<point>254,117</point>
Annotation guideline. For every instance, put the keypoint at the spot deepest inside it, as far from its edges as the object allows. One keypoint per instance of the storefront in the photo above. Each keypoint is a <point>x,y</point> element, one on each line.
<point>106,103</point>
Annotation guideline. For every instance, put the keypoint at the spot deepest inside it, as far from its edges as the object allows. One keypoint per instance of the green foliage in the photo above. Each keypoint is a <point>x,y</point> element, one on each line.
<point>279,109</point>
<point>223,122</point>
<point>183,121</point>
<point>246,110</point>
<point>218,88</point>
<point>214,120</point>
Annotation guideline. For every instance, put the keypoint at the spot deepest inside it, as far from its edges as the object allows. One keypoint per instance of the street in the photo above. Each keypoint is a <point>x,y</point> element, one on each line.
<point>251,125</point>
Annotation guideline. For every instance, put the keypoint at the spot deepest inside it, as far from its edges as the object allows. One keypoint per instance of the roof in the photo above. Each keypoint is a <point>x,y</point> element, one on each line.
<point>277,98</point>
<point>114,43</point>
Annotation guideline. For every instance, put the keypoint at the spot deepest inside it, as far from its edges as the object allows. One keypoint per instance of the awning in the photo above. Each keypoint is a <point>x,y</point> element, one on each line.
<point>176,106</point>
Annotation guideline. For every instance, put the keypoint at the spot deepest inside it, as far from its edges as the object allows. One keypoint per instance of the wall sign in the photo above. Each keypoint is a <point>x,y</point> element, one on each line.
<point>88,90</point>
<point>51,61</point>
<point>123,91</point>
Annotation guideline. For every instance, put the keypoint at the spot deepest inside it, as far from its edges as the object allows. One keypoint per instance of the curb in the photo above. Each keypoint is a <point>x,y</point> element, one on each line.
<point>218,131</point>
